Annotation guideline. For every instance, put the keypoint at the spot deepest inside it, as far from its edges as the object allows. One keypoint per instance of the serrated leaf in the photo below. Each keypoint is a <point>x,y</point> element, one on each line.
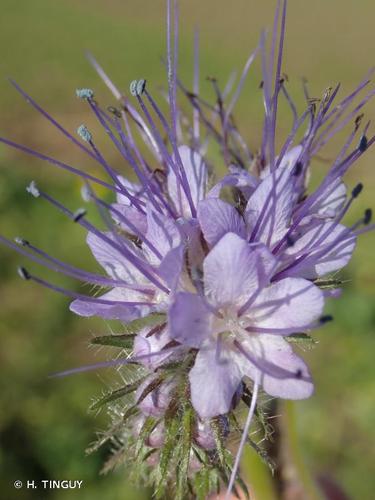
<point>116,394</point>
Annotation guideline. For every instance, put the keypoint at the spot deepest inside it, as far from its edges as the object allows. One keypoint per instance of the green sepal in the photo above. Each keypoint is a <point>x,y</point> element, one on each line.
<point>166,455</point>
<point>150,320</point>
<point>122,341</point>
<point>217,431</point>
<point>202,483</point>
<point>184,452</point>
<point>116,394</point>
<point>147,427</point>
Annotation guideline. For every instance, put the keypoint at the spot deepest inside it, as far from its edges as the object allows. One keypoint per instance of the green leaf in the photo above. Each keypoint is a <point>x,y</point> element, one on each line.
<point>122,341</point>
<point>116,394</point>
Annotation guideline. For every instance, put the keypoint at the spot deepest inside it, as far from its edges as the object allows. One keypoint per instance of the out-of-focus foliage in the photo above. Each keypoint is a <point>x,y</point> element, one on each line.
<point>44,423</point>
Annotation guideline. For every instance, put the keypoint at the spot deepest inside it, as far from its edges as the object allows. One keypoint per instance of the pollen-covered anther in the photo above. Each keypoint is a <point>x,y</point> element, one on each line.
<point>21,241</point>
<point>33,190</point>
<point>78,214</point>
<point>85,94</point>
<point>137,87</point>
<point>84,133</point>
<point>23,273</point>
<point>357,190</point>
<point>86,193</point>
<point>367,217</point>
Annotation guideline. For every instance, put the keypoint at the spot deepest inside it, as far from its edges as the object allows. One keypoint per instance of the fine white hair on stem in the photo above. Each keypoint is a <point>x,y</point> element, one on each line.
<point>243,440</point>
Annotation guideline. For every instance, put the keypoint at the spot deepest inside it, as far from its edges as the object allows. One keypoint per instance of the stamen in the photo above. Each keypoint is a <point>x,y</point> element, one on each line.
<point>23,273</point>
<point>137,87</point>
<point>326,319</point>
<point>33,190</point>
<point>85,94</point>
<point>84,133</point>
<point>78,214</point>
<point>363,144</point>
<point>357,190</point>
<point>368,216</point>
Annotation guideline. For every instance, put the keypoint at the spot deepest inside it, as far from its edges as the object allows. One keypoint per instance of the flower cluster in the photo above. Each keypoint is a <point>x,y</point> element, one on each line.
<point>214,278</point>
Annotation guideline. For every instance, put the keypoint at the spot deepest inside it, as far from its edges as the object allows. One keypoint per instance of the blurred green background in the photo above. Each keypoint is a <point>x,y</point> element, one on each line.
<point>44,423</point>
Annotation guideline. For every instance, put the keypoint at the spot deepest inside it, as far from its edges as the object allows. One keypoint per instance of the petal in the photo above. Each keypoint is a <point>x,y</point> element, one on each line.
<point>144,345</point>
<point>133,188</point>
<point>196,174</point>
<point>274,205</point>
<point>214,379</point>
<point>115,264</point>
<point>239,178</point>
<point>318,261</point>
<point>275,351</point>
<point>287,162</point>
<point>163,233</point>
<point>171,266</point>
<point>216,218</point>
<point>189,319</point>
<point>292,303</point>
<point>118,310</point>
<point>233,270</point>
<point>137,219</point>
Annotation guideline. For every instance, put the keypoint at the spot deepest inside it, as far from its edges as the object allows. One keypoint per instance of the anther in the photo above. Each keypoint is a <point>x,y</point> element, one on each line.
<point>363,143</point>
<point>356,191</point>
<point>114,111</point>
<point>289,240</point>
<point>137,87</point>
<point>299,373</point>
<point>368,216</point>
<point>23,273</point>
<point>84,133</point>
<point>326,319</point>
<point>86,193</point>
<point>298,168</point>
<point>33,190</point>
<point>21,241</point>
<point>78,214</point>
<point>85,94</point>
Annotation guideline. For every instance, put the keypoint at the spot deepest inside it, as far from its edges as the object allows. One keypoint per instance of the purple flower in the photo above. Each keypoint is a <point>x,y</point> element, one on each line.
<point>239,322</point>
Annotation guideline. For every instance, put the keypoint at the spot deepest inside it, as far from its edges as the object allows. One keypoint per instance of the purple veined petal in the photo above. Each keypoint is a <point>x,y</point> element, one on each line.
<point>138,219</point>
<point>196,174</point>
<point>163,233</point>
<point>238,177</point>
<point>269,210</point>
<point>233,271</point>
<point>191,232</point>
<point>329,202</point>
<point>171,267</point>
<point>318,261</point>
<point>287,161</point>
<point>115,264</point>
<point>216,218</point>
<point>189,319</point>
<point>117,311</point>
<point>289,303</point>
<point>276,351</point>
<point>145,344</point>
<point>133,188</point>
<point>214,379</point>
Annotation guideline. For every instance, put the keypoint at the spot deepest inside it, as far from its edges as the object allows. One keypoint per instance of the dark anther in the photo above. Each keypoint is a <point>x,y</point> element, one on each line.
<point>358,121</point>
<point>114,111</point>
<point>78,214</point>
<point>22,242</point>
<point>326,319</point>
<point>299,373</point>
<point>363,143</point>
<point>23,273</point>
<point>289,240</point>
<point>356,191</point>
<point>368,216</point>
<point>261,85</point>
<point>298,168</point>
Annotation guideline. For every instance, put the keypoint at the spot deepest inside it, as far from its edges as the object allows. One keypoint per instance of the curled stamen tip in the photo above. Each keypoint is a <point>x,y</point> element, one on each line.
<point>357,190</point>
<point>137,87</point>
<point>84,133</point>
<point>21,241</point>
<point>23,273</point>
<point>368,216</point>
<point>85,94</point>
<point>326,319</point>
<point>78,214</point>
<point>33,190</point>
